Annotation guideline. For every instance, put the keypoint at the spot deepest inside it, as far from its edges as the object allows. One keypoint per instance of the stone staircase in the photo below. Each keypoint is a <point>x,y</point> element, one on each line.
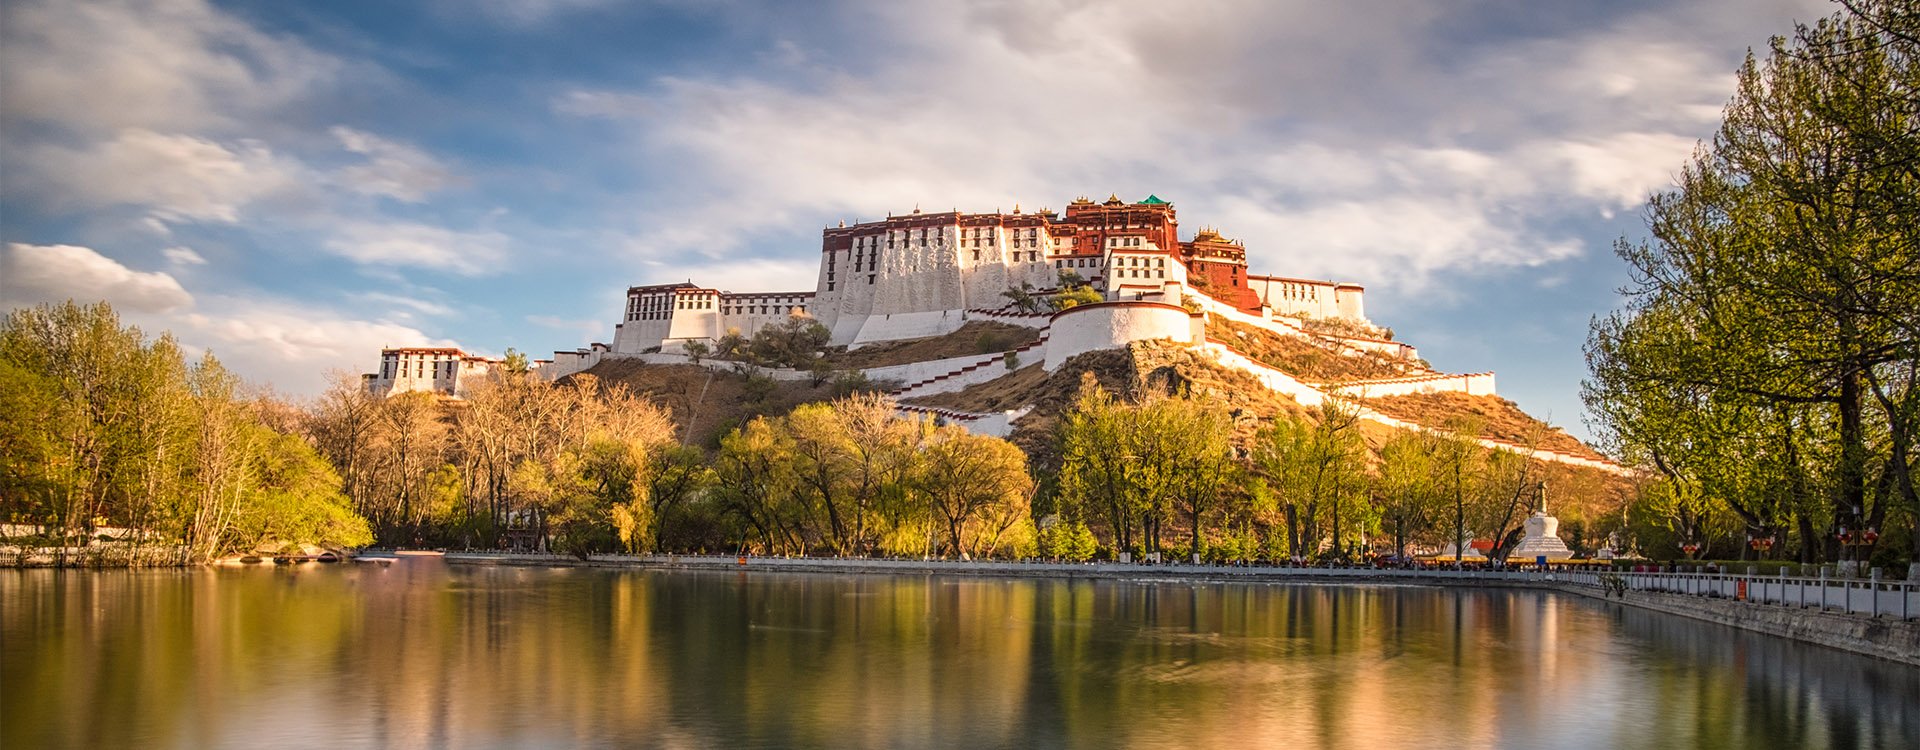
<point>926,384</point>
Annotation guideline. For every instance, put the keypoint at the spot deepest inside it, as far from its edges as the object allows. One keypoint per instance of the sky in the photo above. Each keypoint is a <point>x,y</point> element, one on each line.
<point>297,185</point>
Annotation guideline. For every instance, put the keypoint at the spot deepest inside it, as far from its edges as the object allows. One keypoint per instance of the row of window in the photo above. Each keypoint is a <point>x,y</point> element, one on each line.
<point>761,310</point>
<point>389,370</point>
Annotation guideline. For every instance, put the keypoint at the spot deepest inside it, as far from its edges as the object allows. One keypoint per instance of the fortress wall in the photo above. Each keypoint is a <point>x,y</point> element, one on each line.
<point>751,311</point>
<point>993,424</point>
<point>635,336</point>
<point>1107,325</point>
<point>916,274</point>
<point>1350,300</point>
<point>1024,320</point>
<point>984,270</point>
<point>568,363</point>
<point>1474,384</point>
<point>854,331</point>
<point>828,295</point>
<point>1307,395</point>
<point>918,371</point>
<point>1274,380</point>
<point>1393,349</point>
<point>715,364</point>
<point>986,372</point>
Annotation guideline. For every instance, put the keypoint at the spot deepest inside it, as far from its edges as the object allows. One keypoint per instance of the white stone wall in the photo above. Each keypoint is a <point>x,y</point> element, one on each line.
<point>1472,384</point>
<point>1108,325</point>
<point>993,369</point>
<point>913,373</point>
<point>646,321</point>
<point>1350,301</point>
<point>1274,380</point>
<point>876,328</point>
<point>747,313</point>
<point>579,360</point>
<point>993,424</point>
<point>1022,319</point>
<point>696,316</point>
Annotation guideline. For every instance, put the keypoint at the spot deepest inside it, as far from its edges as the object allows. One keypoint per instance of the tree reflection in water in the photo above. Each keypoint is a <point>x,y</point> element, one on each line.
<point>423,654</point>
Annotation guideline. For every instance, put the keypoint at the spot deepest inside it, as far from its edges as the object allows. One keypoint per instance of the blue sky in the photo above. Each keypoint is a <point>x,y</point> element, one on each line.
<point>297,185</point>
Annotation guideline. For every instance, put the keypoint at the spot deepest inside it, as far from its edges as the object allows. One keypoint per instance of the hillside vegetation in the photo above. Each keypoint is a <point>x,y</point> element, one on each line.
<point>976,337</point>
<point>705,404</point>
<point>1499,419</point>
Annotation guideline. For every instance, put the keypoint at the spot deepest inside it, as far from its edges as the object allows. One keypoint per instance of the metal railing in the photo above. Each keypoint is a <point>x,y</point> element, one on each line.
<point>1871,597</point>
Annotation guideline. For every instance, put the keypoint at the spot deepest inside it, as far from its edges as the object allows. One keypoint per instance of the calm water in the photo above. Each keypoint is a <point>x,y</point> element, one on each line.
<point>423,654</point>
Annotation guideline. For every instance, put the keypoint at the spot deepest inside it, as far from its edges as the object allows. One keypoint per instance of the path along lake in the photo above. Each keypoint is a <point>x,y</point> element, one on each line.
<point>426,654</point>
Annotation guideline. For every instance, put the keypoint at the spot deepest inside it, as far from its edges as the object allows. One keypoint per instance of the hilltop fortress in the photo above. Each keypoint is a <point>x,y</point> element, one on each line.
<point>921,275</point>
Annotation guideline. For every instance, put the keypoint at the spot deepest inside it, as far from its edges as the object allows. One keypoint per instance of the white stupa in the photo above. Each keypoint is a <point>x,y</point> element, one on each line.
<point>1542,536</point>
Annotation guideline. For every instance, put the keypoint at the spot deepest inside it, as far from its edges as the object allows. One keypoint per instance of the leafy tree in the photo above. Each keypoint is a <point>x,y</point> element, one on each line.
<point>1772,317</point>
<point>1075,297</point>
<point>976,486</point>
<point>1070,541</point>
<point>107,427</point>
<point>1313,466</point>
<point>1408,486</point>
<point>1022,297</point>
<point>794,343</point>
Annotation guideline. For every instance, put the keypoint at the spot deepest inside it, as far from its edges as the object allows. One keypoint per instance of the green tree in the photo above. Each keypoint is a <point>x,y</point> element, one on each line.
<point>1314,466</point>
<point>976,485</point>
<point>1779,291</point>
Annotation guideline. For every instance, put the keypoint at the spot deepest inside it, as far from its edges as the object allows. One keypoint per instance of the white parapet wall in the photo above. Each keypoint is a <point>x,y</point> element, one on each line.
<point>1110,325</point>
<point>1275,380</point>
<point>915,372</point>
<point>1472,384</point>
<point>857,330</point>
<point>992,424</point>
<point>1023,319</point>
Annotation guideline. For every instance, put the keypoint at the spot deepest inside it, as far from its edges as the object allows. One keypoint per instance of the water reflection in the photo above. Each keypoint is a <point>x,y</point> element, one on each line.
<point>422,654</point>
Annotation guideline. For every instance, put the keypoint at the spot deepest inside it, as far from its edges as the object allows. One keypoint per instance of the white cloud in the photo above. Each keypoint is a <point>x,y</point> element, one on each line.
<point>183,256</point>
<point>392,169</point>
<point>176,178</point>
<point>404,244</point>
<point>746,275</point>
<point>612,104</point>
<point>154,64</point>
<point>55,273</point>
<point>527,13</point>
<point>404,306</point>
<point>264,338</point>
<point>1275,120</point>
<point>288,344</point>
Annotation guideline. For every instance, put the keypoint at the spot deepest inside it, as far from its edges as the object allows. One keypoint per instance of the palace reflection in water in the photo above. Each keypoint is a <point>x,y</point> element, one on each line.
<point>424,654</point>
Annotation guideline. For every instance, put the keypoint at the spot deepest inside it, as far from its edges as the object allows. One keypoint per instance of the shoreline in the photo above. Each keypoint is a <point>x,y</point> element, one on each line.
<point>1882,638</point>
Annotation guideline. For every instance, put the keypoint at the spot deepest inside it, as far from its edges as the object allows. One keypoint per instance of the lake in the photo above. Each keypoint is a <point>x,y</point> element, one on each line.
<point>425,654</point>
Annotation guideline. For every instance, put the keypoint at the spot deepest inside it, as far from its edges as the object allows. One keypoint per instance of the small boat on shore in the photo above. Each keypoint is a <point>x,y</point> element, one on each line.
<point>420,553</point>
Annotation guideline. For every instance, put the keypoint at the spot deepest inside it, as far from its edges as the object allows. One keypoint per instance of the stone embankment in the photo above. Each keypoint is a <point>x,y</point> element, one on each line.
<point>1890,638</point>
<point>1881,637</point>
